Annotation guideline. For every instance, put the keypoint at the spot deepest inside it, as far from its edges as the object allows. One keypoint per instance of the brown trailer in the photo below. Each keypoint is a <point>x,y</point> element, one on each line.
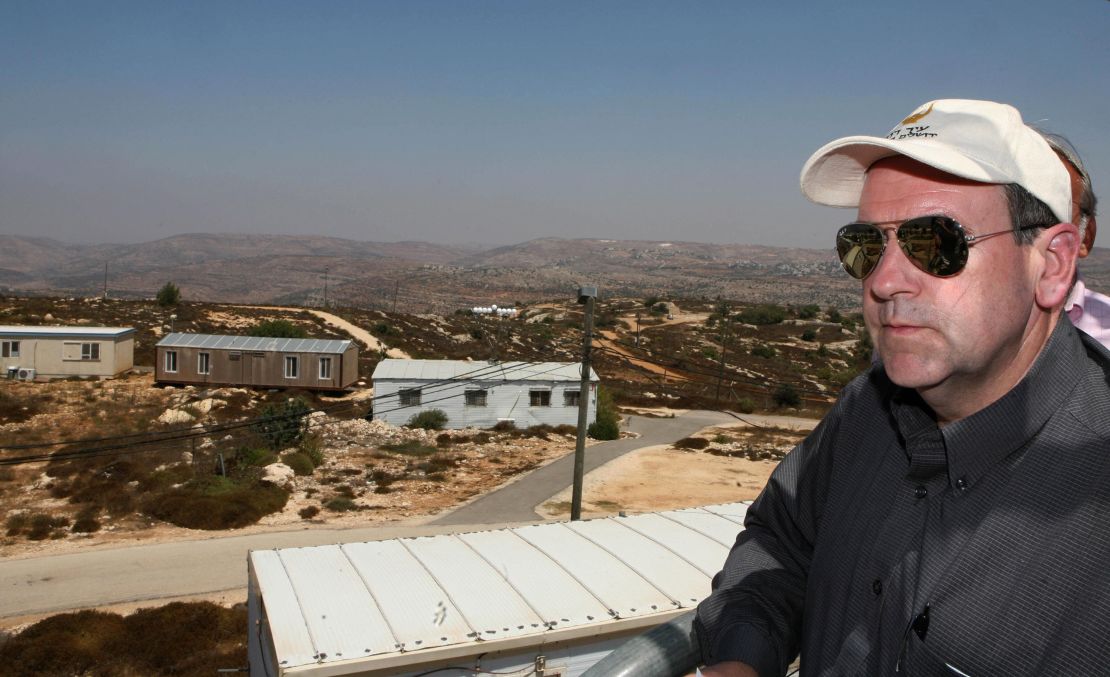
<point>253,361</point>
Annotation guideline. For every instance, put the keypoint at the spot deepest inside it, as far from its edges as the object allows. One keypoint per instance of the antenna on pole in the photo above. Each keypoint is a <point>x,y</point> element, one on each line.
<point>586,296</point>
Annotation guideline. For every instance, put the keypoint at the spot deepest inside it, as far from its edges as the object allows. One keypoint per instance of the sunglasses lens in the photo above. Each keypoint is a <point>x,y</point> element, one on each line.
<point>936,244</point>
<point>860,246</point>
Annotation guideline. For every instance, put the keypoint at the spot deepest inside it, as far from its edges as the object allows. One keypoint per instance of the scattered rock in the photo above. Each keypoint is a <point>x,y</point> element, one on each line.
<point>279,474</point>
<point>172,416</point>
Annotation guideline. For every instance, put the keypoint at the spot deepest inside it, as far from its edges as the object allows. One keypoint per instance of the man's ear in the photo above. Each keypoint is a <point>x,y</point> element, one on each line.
<point>1059,247</point>
<point>1088,238</point>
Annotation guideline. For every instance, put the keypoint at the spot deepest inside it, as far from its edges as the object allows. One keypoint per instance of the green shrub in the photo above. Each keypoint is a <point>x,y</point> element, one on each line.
<point>762,314</point>
<point>17,523</point>
<point>340,504</point>
<point>429,419</point>
<point>764,350</point>
<point>722,439</point>
<point>216,503</point>
<point>444,440</point>
<point>833,314</point>
<point>808,312</point>
<point>283,425</point>
<point>309,512</point>
<point>691,443</point>
<point>606,425</point>
<point>505,426</point>
<point>809,335</point>
<point>87,520</point>
<point>746,405</point>
<point>786,395</point>
<point>312,447</point>
<point>277,329</point>
<point>300,463</point>
<point>42,526</point>
<point>252,457</point>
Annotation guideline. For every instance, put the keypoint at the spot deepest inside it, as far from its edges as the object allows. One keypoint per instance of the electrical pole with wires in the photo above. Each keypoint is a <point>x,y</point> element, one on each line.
<point>586,296</point>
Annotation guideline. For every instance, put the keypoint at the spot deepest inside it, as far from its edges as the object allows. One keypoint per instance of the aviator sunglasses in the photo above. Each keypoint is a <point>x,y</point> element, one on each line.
<point>936,244</point>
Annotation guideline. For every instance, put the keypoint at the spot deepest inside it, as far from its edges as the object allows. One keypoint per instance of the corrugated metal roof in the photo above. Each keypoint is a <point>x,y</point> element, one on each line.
<point>446,370</point>
<point>376,600</point>
<point>260,343</point>
<point>65,332</point>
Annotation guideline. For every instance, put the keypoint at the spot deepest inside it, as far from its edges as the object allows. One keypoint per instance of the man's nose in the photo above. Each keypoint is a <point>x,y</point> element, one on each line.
<point>895,273</point>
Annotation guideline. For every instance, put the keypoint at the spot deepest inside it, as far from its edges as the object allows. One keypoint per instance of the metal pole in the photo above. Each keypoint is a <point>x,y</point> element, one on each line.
<point>583,413</point>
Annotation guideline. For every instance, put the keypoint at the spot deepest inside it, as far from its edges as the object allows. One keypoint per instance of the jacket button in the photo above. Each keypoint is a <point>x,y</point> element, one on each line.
<point>921,491</point>
<point>961,484</point>
<point>877,587</point>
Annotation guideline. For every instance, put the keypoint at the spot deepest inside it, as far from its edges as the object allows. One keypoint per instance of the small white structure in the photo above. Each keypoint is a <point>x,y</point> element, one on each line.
<point>30,353</point>
<point>550,599</point>
<point>480,394</point>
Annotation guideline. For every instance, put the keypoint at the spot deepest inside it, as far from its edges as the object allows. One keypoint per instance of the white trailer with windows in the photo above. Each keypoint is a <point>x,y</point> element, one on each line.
<point>34,353</point>
<point>548,599</point>
<point>481,394</point>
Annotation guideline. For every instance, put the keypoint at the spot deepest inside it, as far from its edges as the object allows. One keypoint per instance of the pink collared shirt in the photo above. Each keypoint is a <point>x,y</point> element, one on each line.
<point>1090,312</point>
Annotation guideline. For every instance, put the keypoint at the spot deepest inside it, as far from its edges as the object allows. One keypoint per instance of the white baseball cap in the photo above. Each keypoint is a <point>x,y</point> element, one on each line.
<point>977,140</point>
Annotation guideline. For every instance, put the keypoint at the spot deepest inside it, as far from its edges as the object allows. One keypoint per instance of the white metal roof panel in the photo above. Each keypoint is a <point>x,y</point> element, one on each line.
<point>255,343</point>
<point>665,570</point>
<point>625,592</point>
<point>65,332</point>
<point>487,602</point>
<point>342,618</point>
<point>292,643</point>
<point>545,585</point>
<point>446,370</point>
<point>700,550</point>
<point>721,525</point>
<point>419,612</point>
<point>370,602</point>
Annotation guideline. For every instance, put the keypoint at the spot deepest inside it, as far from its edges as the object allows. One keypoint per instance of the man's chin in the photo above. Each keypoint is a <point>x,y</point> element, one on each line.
<point>909,373</point>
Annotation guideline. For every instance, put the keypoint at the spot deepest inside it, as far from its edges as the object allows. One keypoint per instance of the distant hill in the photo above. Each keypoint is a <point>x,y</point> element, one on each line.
<point>427,277</point>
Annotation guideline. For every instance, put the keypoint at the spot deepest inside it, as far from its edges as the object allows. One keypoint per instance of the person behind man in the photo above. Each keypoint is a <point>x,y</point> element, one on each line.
<point>951,514</point>
<point>1088,310</point>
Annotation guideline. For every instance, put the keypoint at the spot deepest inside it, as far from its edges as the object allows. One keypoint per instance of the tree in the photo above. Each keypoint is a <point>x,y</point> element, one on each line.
<point>169,295</point>
<point>283,425</point>
<point>786,395</point>
<point>277,329</point>
<point>606,425</point>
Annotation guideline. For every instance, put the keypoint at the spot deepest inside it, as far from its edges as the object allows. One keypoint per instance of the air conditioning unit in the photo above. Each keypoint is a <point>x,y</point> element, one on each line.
<point>26,374</point>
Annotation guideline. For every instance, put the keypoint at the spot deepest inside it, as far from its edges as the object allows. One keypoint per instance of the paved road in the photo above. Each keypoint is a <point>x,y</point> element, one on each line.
<point>517,501</point>
<point>149,572</point>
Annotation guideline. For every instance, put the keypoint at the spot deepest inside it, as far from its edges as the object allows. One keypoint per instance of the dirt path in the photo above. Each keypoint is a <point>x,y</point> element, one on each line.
<point>362,335</point>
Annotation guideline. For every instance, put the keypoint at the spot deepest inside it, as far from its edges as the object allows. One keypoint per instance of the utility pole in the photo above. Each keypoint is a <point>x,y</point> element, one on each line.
<point>105,279</point>
<point>637,330</point>
<point>586,296</point>
<point>721,362</point>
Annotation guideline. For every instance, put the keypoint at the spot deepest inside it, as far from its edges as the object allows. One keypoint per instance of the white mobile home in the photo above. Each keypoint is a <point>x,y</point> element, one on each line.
<point>480,394</point>
<point>548,599</point>
<point>30,353</point>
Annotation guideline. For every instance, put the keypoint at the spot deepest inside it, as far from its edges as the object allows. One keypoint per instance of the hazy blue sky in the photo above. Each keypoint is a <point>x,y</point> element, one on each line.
<point>498,122</point>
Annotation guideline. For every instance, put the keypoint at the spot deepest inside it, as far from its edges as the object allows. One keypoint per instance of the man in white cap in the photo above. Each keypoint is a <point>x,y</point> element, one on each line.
<point>951,514</point>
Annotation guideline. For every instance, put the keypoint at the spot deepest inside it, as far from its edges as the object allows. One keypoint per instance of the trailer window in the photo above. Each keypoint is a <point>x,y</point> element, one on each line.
<point>476,398</point>
<point>539,398</point>
<point>570,398</point>
<point>325,368</point>
<point>204,363</point>
<point>90,351</point>
<point>9,349</point>
<point>169,362</point>
<point>290,366</point>
<point>409,397</point>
